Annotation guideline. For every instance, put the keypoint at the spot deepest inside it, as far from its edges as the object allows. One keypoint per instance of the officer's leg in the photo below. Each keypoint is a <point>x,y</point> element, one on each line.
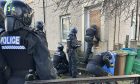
<point>96,70</point>
<point>70,63</point>
<point>74,65</point>
<point>64,68</point>
<point>58,72</point>
<point>88,52</point>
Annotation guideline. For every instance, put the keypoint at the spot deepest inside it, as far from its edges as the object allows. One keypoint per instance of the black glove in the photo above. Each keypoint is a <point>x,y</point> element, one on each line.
<point>31,76</point>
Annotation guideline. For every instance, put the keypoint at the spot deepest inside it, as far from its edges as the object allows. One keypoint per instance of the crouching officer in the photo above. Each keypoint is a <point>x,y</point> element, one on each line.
<point>95,65</point>
<point>72,45</point>
<point>21,48</point>
<point>60,61</point>
<point>91,33</point>
<point>39,31</point>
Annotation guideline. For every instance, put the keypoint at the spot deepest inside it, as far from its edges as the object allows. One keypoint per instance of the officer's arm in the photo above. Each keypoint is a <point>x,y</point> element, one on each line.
<point>44,65</point>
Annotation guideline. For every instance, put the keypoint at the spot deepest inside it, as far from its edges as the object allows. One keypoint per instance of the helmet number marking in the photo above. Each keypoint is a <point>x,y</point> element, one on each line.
<point>11,9</point>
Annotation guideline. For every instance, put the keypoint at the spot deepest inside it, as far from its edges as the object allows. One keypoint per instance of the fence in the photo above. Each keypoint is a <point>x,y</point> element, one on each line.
<point>136,79</point>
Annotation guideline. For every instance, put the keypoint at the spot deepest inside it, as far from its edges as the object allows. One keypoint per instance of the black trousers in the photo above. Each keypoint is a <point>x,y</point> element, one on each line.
<point>72,63</point>
<point>88,51</point>
<point>96,70</point>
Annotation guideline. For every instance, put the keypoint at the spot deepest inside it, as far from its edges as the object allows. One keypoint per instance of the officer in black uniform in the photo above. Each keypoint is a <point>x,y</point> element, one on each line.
<point>95,65</point>
<point>2,63</point>
<point>39,25</point>
<point>72,45</point>
<point>21,48</point>
<point>90,34</point>
<point>39,31</point>
<point>60,61</point>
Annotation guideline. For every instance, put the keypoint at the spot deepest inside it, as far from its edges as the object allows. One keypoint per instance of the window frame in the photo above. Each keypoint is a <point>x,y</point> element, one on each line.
<point>61,26</point>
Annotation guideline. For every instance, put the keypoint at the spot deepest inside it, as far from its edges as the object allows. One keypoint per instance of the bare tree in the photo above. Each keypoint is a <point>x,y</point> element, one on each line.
<point>111,7</point>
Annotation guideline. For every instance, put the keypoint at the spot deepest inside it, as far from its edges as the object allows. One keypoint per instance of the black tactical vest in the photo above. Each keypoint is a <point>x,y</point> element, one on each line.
<point>14,47</point>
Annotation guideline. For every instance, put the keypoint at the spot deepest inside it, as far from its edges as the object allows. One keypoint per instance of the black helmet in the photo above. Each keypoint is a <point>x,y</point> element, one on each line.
<point>94,28</point>
<point>60,47</point>
<point>73,30</point>
<point>107,58</point>
<point>40,25</point>
<point>18,14</point>
<point>2,3</point>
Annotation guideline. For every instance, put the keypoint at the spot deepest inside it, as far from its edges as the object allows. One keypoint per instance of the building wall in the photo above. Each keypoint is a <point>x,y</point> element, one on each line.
<point>53,21</point>
<point>38,11</point>
<point>77,19</point>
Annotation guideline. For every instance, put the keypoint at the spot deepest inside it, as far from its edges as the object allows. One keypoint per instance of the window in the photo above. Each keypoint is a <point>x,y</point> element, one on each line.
<point>65,27</point>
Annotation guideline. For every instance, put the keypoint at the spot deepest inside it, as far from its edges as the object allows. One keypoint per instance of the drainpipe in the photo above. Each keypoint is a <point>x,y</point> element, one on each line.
<point>115,21</point>
<point>139,29</point>
<point>44,11</point>
<point>137,9</point>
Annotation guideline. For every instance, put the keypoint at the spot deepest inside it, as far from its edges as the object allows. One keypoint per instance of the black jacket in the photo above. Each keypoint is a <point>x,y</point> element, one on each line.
<point>40,53</point>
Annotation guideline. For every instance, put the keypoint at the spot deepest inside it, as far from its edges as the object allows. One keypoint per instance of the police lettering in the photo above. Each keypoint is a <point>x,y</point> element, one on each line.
<point>10,40</point>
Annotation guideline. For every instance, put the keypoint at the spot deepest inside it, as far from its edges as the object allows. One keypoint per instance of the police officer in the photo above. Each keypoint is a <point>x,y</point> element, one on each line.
<point>39,31</point>
<point>60,61</point>
<point>90,34</point>
<point>39,25</point>
<point>95,65</point>
<point>72,45</point>
<point>21,48</point>
<point>2,63</point>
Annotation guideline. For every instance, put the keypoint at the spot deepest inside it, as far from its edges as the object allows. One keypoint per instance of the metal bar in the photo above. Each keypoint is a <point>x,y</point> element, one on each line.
<point>86,80</point>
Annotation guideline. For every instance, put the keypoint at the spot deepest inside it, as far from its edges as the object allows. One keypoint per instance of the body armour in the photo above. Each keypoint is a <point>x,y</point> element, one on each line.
<point>24,50</point>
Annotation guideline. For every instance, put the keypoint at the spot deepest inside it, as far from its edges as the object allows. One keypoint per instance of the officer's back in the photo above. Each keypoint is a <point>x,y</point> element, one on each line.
<point>40,32</point>
<point>21,47</point>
